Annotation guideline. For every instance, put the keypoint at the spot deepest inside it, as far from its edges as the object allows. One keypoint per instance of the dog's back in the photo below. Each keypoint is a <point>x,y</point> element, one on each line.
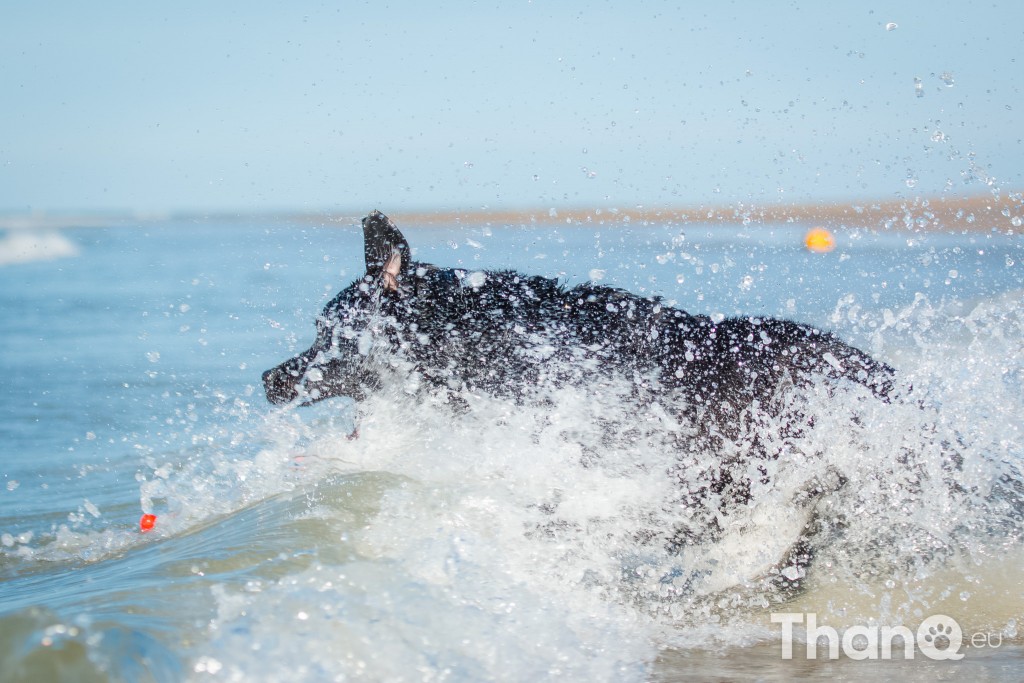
<point>508,333</point>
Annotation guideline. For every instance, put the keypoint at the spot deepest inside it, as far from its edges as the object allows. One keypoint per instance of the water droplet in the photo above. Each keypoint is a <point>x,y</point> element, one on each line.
<point>918,87</point>
<point>947,78</point>
<point>682,278</point>
<point>1016,221</point>
<point>1011,628</point>
<point>891,26</point>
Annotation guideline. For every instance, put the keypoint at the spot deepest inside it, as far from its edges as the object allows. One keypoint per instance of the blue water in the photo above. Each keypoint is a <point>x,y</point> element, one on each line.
<point>131,359</point>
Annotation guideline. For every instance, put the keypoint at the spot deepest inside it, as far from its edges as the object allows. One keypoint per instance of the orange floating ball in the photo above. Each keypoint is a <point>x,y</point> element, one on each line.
<point>146,522</point>
<point>819,240</point>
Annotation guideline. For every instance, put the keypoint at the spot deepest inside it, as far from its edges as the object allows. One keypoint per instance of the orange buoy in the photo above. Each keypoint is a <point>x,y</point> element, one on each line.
<point>819,240</point>
<point>146,522</point>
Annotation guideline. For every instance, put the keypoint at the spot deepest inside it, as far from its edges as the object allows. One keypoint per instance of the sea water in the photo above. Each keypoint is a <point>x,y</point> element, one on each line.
<point>501,541</point>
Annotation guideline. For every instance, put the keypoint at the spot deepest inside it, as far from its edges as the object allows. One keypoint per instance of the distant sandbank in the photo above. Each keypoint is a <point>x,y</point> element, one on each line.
<point>1002,212</point>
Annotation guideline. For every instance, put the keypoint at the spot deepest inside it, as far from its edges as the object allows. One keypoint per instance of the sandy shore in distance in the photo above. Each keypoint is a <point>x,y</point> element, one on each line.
<point>976,213</point>
<point>1003,212</point>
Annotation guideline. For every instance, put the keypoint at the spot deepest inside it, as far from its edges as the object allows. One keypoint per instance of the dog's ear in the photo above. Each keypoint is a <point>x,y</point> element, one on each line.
<point>387,252</point>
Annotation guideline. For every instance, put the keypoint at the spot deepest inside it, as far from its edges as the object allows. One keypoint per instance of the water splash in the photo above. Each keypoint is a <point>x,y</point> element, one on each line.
<point>27,246</point>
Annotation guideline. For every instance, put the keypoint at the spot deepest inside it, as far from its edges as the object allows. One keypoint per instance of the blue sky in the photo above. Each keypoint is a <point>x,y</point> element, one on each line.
<point>240,106</point>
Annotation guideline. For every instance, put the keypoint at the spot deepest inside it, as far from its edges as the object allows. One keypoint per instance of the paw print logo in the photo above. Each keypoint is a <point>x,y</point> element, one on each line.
<point>940,637</point>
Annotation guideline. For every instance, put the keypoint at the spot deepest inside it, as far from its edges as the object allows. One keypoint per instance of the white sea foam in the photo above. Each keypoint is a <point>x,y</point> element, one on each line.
<point>26,246</point>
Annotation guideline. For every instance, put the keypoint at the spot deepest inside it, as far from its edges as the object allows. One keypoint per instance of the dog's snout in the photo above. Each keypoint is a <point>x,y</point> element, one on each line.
<point>278,385</point>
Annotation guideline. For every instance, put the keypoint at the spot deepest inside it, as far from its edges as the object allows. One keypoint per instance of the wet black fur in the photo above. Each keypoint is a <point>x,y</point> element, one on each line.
<point>505,333</point>
<point>509,335</point>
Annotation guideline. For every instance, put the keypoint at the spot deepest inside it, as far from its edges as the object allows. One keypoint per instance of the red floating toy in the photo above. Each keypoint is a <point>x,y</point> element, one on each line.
<point>146,522</point>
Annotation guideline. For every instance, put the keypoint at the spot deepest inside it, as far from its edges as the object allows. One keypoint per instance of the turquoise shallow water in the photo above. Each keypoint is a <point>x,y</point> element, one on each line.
<point>131,363</point>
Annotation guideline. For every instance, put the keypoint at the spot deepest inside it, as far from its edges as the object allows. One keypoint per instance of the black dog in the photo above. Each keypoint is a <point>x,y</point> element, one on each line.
<point>513,335</point>
<point>506,334</point>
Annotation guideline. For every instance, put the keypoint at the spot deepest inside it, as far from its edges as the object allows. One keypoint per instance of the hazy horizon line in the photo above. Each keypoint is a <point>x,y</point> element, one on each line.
<point>998,210</point>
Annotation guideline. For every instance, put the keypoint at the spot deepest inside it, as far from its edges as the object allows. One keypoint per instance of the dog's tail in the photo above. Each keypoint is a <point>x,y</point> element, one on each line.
<point>839,360</point>
<point>812,352</point>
